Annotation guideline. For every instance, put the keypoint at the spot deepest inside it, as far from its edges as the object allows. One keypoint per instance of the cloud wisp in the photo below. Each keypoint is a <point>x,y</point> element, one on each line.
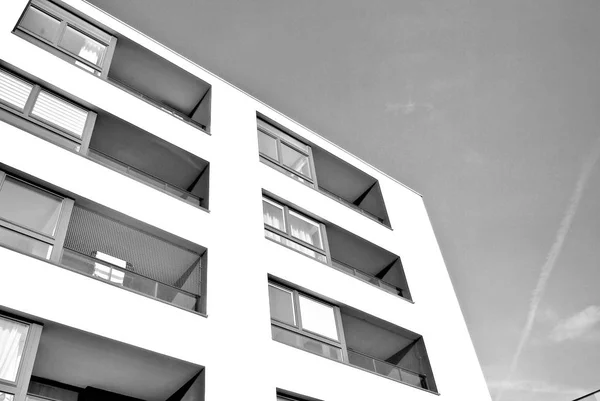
<point>576,326</point>
<point>536,387</point>
<point>551,258</point>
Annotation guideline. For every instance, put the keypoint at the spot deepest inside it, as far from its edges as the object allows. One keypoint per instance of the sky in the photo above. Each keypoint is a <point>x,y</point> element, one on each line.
<point>490,109</point>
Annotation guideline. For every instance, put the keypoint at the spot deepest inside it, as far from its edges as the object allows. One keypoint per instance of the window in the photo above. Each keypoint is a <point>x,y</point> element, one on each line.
<point>85,44</point>
<point>294,230</point>
<point>66,122</point>
<point>304,322</point>
<point>285,153</point>
<point>12,344</point>
<point>29,217</point>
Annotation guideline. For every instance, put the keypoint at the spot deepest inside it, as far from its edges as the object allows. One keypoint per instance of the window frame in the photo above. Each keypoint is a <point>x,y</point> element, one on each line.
<point>80,145</point>
<point>68,19</point>
<point>56,241</point>
<point>287,234</point>
<point>300,330</point>
<point>278,164</point>
<point>19,387</point>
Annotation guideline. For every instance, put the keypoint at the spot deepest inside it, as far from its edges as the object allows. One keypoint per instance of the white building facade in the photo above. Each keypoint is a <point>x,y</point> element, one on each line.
<point>165,236</point>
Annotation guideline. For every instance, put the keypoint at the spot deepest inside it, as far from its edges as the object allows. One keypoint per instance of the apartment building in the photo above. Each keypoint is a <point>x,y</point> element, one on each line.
<point>165,236</point>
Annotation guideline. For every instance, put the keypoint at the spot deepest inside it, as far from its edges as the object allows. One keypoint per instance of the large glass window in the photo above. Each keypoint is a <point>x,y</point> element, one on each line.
<point>287,154</point>
<point>13,335</point>
<point>68,34</point>
<point>304,323</point>
<point>29,206</point>
<point>28,217</point>
<point>294,230</point>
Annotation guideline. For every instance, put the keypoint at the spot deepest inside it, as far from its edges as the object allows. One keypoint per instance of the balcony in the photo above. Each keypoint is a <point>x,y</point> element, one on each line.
<point>101,243</point>
<point>106,249</point>
<point>347,184</point>
<point>104,138</point>
<point>367,261</point>
<point>386,349</point>
<point>335,247</point>
<point>144,157</point>
<point>117,59</point>
<point>75,366</point>
<point>321,170</point>
<point>156,80</point>
<point>348,336</point>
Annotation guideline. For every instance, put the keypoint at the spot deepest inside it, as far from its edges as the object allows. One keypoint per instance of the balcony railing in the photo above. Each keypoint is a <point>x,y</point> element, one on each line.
<point>144,177</point>
<point>98,268</point>
<point>368,278</point>
<point>387,369</point>
<point>351,205</point>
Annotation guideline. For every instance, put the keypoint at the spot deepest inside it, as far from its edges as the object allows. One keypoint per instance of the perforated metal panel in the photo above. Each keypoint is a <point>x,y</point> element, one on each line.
<point>13,90</point>
<point>60,113</point>
<point>145,254</point>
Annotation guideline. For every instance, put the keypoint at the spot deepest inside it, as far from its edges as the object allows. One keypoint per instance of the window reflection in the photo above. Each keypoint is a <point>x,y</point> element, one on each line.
<point>305,230</point>
<point>295,160</point>
<point>83,46</point>
<point>318,318</point>
<point>273,215</point>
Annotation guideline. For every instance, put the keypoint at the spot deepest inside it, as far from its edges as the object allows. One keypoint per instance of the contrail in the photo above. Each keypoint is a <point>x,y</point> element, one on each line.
<point>551,258</point>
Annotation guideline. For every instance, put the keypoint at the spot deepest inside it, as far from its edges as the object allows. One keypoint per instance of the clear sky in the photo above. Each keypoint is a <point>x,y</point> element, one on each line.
<point>490,109</point>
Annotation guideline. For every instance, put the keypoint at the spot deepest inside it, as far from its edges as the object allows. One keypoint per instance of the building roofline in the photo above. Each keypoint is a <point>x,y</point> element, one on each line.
<point>248,94</point>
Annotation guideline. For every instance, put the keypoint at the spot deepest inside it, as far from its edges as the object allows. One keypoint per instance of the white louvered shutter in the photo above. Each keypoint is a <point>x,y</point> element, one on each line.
<point>13,90</point>
<point>60,113</point>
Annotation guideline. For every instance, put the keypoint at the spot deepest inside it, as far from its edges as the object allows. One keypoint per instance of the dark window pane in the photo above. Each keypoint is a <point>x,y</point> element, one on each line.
<point>40,23</point>
<point>12,341</point>
<point>29,206</point>
<point>305,343</point>
<point>267,145</point>
<point>295,160</point>
<point>24,243</point>
<point>282,305</point>
<point>83,46</point>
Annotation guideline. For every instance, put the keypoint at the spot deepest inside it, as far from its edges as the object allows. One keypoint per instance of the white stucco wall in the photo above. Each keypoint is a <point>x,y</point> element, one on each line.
<point>234,341</point>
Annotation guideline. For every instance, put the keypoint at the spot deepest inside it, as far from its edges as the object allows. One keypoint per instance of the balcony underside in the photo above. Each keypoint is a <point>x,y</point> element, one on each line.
<point>96,365</point>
